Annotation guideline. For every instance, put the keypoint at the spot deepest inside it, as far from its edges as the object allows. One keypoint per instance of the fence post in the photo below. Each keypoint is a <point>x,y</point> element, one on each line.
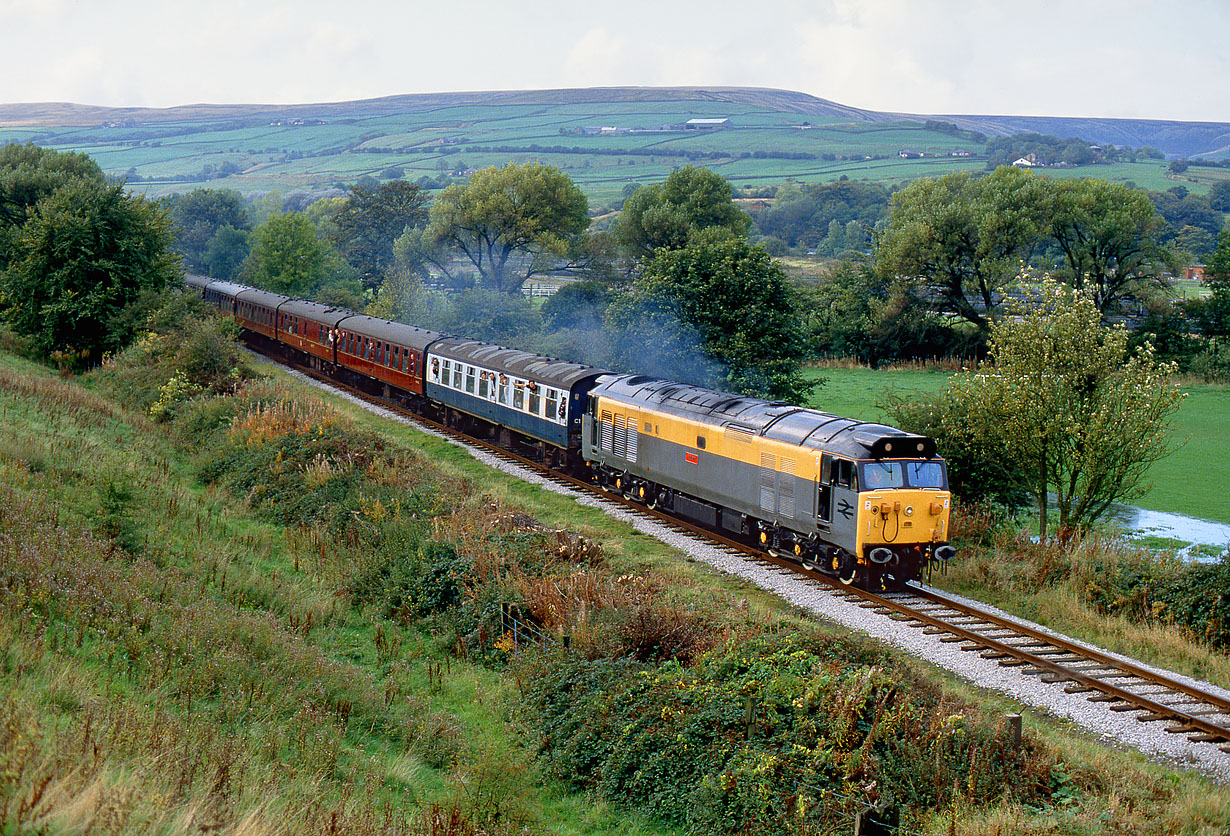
<point>1014,729</point>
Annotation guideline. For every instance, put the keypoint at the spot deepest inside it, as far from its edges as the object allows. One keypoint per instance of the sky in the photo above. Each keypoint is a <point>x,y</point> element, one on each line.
<point>1086,58</point>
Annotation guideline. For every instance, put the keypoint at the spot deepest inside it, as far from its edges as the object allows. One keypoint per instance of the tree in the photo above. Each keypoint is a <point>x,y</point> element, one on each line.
<point>717,313</point>
<point>85,256</point>
<point>288,257</point>
<point>1219,196</point>
<point>1212,314</point>
<point>577,305</point>
<point>197,217</point>
<point>1108,235</point>
<point>28,173</point>
<point>370,219</point>
<point>670,214</point>
<point>530,212</point>
<point>1077,414</point>
<point>964,237</point>
<point>226,252</point>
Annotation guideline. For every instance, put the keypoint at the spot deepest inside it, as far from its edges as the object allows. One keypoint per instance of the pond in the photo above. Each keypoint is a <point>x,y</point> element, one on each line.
<point>1140,522</point>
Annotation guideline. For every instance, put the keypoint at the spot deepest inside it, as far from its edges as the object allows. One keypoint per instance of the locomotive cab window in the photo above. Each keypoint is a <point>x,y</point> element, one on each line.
<point>842,474</point>
<point>877,475</point>
<point>700,442</point>
<point>925,474</point>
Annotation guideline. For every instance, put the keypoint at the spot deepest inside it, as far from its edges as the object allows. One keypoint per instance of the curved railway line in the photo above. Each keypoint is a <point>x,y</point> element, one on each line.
<point>1122,685</point>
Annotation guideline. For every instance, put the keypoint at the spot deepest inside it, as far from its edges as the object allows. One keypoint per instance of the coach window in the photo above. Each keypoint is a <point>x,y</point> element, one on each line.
<point>535,403</point>
<point>552,404</point>
<point>470,379</point>
<point>448,365</point>
<point>483,386</point>
<point>503,390</point>
<point>519,395</point>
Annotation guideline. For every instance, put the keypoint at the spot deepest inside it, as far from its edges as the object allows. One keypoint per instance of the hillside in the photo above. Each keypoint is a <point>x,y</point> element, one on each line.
<point>771,135</point>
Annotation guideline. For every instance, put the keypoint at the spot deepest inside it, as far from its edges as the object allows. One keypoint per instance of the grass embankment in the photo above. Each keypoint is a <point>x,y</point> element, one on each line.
<point>272,615</point>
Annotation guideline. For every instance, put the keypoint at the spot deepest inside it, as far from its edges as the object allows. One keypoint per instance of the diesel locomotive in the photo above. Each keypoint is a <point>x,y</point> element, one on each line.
<point>864,502</point>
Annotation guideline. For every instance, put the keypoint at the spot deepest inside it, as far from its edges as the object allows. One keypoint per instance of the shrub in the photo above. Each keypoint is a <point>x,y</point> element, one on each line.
<point>728,744</point>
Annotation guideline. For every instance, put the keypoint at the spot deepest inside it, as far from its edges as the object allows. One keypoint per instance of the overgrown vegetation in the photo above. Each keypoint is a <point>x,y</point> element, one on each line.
<point>191,644</point>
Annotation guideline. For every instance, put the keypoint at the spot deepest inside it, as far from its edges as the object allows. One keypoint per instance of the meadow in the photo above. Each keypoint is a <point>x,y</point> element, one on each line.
<point>257,153</point>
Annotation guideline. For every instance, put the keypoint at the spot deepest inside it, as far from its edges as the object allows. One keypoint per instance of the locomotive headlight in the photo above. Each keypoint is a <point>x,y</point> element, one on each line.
<point>909,510</point>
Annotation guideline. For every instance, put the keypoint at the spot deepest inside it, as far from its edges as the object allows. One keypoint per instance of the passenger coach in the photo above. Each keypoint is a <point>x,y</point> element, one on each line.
<point>512,391</point>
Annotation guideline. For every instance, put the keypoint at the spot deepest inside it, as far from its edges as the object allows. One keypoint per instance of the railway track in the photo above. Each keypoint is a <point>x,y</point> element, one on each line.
<point>1122,685</point>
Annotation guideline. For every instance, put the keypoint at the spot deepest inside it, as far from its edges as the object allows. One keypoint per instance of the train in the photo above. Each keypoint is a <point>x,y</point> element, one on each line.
<point>863,502</point>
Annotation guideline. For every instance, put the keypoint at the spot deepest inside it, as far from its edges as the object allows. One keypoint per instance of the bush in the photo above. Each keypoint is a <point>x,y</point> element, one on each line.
<point>727,745</point>
<point>409,584</point>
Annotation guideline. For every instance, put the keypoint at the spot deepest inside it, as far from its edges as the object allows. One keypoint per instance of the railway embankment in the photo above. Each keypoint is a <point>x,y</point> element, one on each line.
<point>230,601</point>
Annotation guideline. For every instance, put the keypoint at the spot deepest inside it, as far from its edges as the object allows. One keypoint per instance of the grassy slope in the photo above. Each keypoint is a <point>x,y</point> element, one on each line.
<point>62,449</point>
<point>210,670</point>
<point>1201,457</point>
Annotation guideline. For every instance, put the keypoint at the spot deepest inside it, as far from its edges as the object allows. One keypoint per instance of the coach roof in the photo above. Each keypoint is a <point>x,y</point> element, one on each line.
<point>410,336</point>
<point>560,373</point>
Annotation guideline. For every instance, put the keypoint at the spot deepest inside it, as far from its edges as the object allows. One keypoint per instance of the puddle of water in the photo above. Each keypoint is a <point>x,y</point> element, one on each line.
<point>1198,532</point>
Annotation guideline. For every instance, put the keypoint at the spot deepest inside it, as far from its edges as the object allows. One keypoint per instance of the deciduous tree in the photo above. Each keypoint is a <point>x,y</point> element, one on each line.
<point>370,219</point>
<point>28,173</point>
<point>1078,415</point>
<point>83,258</point>
<point>668,215</point>
<point>198,215</point>
<point>1108,234</point>
<point>718,313</point>
<point>964,237</point>
<point>510,222</point>
<point>288,257</point>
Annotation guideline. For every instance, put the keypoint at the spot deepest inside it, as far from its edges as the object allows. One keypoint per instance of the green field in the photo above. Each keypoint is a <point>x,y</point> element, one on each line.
<point>263,154</point>
<point>1181,482</point>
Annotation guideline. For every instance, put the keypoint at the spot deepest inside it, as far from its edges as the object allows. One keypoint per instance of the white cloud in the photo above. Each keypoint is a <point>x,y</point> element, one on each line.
<point>1145,58</point>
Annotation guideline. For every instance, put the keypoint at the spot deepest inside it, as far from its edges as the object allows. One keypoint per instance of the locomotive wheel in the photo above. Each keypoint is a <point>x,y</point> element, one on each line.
<point>845,568</point>
<point>887,582</point>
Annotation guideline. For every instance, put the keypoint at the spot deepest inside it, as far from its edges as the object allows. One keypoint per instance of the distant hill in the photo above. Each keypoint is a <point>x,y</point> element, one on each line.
<point>771,135</point>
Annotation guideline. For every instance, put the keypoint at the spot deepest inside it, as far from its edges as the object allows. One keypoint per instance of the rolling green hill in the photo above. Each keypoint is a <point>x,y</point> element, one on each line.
<point>772,135</point>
